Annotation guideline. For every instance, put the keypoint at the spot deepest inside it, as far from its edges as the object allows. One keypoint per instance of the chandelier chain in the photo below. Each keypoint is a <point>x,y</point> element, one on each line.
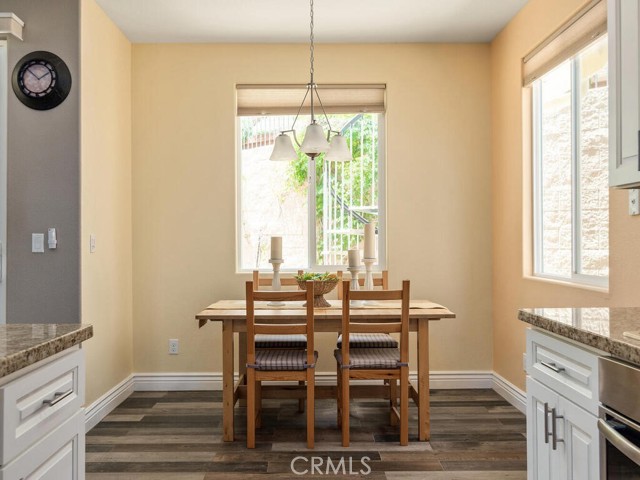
<point>311,46</point>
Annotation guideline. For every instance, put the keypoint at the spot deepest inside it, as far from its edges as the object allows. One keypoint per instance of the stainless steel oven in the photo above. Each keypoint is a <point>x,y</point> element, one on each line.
<point>619,421</point>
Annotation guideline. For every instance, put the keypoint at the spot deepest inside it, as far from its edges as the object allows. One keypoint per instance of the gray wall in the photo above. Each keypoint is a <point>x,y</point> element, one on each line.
<point>44,174</point>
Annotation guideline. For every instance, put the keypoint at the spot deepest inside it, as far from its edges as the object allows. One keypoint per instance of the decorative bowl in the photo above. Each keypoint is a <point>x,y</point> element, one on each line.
<point>320,287</point>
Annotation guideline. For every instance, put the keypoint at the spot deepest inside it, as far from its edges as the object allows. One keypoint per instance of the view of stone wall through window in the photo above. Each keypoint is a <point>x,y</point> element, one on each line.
<point>582,189</point>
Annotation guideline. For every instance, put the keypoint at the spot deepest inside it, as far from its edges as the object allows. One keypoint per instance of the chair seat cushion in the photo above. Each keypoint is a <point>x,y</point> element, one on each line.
<point>371,358</point>
<point>274,359</point>
<point>280,341</point>
<point>369,340</point>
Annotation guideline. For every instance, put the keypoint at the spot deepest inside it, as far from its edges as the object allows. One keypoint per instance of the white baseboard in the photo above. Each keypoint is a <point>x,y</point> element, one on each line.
<point>153,382</point>
<point>457,380</point>
<point>107,402</point>
<point>510,392</point>
<point>213,381</point>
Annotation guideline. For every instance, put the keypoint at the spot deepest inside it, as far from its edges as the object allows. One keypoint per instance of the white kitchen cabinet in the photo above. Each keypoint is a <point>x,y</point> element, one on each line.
<point>43,420</point>
<point>581,446</point>
<point>562,434</point>
<point>540,463</point>
<point>624,88</point>
<point>58,456</point>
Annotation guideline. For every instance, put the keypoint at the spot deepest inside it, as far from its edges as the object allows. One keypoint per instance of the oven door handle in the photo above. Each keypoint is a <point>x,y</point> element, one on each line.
<point>618,441</point>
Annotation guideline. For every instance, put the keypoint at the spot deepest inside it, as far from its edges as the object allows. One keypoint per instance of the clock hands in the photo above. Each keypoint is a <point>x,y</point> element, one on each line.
<point>33,74</point>
<point>39,77</point>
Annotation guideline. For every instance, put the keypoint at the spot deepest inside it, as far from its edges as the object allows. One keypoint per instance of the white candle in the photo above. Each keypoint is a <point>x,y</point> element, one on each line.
<point>354,258</point>
<point>370,240</point>
<point>276,248</point>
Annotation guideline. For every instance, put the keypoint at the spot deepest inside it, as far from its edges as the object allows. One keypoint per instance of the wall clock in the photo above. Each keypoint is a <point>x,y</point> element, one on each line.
<point>41,80</point>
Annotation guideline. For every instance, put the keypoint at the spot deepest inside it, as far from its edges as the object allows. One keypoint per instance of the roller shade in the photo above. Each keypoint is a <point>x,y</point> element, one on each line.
<point>286,99</point>
<point>582,29</point>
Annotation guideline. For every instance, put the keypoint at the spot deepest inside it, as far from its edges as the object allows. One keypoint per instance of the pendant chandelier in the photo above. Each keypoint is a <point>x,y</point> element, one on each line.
<point>315,141</point>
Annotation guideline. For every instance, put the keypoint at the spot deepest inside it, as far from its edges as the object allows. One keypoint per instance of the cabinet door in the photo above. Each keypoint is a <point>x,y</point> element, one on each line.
<point>58,456</point>
<point>580,443</point>
<point>541,464</point>
<point>624,109</point>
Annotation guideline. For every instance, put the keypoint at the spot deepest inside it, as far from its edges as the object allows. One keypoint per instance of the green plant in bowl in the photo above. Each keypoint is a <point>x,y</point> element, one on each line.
<point>322,283</point>
<point>317,277</point>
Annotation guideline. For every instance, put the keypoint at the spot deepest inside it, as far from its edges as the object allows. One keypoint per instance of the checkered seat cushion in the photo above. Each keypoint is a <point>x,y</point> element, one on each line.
<point>371,358</point>
<point>280,341</point>
<point>369,340</point>
<point>282,359</point>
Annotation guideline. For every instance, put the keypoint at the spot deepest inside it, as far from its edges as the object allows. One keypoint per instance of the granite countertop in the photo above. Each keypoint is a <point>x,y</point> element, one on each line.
<point>601,328</point>
<point>24,344</point>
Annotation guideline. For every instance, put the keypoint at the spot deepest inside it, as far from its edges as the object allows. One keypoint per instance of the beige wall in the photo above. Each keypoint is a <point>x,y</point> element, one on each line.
<point>511,203</point>
<point>106,200</point>
<point>184,160</point>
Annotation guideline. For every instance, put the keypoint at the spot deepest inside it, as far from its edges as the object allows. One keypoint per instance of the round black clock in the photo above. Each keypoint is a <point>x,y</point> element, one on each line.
<point>41,80</point>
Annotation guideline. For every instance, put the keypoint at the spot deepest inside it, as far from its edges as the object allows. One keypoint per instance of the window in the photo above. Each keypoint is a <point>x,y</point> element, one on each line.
<point>318,207</point>
<point>570,162</point>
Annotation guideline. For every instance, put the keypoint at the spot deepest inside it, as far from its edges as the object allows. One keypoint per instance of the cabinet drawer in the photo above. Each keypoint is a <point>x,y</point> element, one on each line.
<point>58,456</point>
<point>568,369</point>
<point>35,404</point>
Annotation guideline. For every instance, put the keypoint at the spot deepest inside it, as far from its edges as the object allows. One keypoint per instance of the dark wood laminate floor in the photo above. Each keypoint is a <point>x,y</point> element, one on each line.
<point>475,434</point>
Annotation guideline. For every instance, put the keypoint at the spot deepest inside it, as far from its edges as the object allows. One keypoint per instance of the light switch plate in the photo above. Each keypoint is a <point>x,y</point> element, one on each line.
<point>37,242</point>
<point>634,201</point>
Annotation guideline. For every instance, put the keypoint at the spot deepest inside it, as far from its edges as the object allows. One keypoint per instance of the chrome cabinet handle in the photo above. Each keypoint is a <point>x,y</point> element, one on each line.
<point>546,423</point>
<point>618,441</point>
<point>554,434</point>
<point>552,366</point>
<point>57,398</point>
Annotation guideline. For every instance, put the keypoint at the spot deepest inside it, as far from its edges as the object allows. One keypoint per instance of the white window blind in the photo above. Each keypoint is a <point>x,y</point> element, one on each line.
<point>575,34</point>
<point>285,99</point>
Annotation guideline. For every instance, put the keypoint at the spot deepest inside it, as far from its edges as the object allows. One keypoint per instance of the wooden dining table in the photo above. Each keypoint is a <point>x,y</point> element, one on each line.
<point>232,315</point>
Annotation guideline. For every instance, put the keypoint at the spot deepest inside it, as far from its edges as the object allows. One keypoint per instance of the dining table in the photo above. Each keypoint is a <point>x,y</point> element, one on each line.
<point>232,315</point>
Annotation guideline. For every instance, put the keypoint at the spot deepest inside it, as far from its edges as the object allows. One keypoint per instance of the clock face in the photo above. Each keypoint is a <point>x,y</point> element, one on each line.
<point>41,80</point>
<point>37,78</point>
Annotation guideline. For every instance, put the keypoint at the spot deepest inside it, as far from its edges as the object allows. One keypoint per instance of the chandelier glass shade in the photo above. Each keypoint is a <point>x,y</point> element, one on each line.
<point>315,141</point>
<point>283,150</point>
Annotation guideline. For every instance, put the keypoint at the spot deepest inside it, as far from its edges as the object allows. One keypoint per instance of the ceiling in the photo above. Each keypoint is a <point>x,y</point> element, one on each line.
<point>287,21</point>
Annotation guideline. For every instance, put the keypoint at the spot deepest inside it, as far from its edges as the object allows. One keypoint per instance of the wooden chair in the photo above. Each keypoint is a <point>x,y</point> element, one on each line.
<point>274,364</point>
<point>370,340</point>
<point>278,341</point>
<point>378,281</point>
<point>375,363</point>
<point>285,281</point>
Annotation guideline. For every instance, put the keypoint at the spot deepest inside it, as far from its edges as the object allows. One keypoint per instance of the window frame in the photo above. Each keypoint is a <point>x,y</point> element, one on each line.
<point>576,214</point>
<point>312,252</point>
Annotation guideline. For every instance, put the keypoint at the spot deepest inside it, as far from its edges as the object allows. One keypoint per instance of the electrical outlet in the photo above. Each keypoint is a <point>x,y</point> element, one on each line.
<point>173,346</point>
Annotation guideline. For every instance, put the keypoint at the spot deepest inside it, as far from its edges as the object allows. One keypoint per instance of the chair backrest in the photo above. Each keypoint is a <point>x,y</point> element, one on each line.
<point>378,281</point>
<point>304,326</point>
<point>400,326</point>
<point>285,281</point>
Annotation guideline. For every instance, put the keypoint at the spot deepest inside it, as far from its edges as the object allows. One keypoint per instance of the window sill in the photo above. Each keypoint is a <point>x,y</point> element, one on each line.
<point>566,283</point>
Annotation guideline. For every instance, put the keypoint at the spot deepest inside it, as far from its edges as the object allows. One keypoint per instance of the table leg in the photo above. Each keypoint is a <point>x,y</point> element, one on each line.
<point>424,422</point>
<point>242,362</point>
<point>242,353</point>
<point>227,380</point>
